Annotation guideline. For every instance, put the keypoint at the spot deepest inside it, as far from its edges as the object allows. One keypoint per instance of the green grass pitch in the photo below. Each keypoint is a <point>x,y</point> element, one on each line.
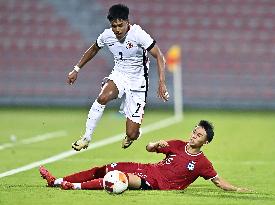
<point>242,152</point>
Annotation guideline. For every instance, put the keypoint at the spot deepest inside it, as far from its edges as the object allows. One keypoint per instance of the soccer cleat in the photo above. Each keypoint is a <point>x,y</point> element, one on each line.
<point>45,174</point>
<point>126,142</point>
<point>80,144</point>
<point>66,185</point>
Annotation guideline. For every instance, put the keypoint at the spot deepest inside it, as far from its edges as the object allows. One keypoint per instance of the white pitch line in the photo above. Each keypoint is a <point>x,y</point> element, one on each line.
<point>149,128</point>
<point>37,138</point>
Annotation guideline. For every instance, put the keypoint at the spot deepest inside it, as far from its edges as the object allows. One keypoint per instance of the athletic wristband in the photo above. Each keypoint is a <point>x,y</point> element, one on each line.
<point>76,68</point>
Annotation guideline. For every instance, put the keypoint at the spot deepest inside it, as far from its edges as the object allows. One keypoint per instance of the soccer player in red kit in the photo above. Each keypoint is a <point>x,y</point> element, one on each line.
<point>183,164</point>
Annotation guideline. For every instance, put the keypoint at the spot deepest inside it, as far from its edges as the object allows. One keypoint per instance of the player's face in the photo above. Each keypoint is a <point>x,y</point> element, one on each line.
<point>198,137</point>
<point>120,28</point>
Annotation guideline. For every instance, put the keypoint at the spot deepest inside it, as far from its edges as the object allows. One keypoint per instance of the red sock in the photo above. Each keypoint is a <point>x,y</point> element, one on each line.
<point>84,176</point>
<point>93,184</point>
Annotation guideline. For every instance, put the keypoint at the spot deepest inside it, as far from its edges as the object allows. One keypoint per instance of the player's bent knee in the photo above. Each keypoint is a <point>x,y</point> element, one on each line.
<point>134,181</point>
<point>103,99</point>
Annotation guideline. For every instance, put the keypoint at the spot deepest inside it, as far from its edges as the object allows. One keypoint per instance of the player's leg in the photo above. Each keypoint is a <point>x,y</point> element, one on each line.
<point>87,175</point>
<point>109,92</point>
<point>95,184</point>
<point>133,108</point>
<point>97,173</point>
<point>134,182</point>
<point>132,133</point>
<point>128,168</point>
<point>83,176</point>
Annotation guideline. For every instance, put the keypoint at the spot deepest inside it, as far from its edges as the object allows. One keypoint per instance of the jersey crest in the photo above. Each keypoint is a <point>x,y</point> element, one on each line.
<point>129,45</point>
<point>191,166</point>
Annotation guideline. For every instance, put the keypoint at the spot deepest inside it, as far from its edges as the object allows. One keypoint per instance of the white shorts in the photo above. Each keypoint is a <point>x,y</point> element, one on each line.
<point>133,94</point>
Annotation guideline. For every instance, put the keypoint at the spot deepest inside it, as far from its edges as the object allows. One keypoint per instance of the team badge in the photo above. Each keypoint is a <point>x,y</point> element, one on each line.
<point>129,45</point>
<point>191,166</point>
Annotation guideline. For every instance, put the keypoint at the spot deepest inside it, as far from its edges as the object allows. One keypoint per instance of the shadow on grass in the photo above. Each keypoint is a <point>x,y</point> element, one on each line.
<point>198,191</point>
<point>207,192</point>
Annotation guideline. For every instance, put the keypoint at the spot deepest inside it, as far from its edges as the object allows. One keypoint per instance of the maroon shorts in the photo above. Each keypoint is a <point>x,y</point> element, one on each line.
<point>144,171</point>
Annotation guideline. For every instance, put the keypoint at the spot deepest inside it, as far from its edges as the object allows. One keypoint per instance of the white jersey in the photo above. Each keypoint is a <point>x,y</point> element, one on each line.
<point>130,54</point>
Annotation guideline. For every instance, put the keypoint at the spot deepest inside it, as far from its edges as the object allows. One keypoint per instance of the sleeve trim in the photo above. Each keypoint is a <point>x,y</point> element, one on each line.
<point>97,45</point>
<point>212,177</point>
<point>151,46</point>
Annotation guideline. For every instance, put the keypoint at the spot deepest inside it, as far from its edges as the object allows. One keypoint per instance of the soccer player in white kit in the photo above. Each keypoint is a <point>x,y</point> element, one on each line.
<point>129,78</point>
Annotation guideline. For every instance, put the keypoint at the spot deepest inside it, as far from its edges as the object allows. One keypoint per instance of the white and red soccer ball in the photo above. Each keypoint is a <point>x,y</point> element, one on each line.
<point>115,182</point>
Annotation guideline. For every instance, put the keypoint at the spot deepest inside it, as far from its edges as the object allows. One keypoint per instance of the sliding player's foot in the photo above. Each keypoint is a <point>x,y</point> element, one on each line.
<point>80,144</point>
<point>45,174</point>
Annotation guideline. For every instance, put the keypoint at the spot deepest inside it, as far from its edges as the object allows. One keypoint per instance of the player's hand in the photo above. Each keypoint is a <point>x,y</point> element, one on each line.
<point>162,143</point>
<point>162,91</point>
<point>72,76</point>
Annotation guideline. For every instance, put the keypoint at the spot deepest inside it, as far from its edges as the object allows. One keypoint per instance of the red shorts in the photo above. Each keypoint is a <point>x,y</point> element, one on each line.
<point>144,171</point>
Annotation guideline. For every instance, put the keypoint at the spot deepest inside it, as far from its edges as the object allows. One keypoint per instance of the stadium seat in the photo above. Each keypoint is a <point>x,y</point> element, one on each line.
<point>229,42</point>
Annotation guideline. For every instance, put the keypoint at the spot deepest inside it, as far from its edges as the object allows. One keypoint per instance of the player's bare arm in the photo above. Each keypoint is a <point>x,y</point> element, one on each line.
<point>87,56</point>
<point>162,90</point>
<point>152,146</point>
<point>226,186</point>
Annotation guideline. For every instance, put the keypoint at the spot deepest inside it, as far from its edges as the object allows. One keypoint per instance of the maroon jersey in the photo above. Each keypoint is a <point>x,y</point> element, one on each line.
<point>180,168</point>
<point>177,171</point>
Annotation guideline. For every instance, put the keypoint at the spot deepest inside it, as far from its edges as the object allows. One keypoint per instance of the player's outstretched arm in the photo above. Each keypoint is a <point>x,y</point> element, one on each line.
<point>162,90</point>
<point>226,186</point>
<point>152,146</point>
<point>87,56</point>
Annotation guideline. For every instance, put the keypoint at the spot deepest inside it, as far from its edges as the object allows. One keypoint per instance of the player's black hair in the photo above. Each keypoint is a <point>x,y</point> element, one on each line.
<point>118,11</point>
<point>209,129</point>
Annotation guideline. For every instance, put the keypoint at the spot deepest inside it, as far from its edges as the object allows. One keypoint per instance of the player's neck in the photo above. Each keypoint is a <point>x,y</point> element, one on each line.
<point>193,150</point>
<point>123,38</point>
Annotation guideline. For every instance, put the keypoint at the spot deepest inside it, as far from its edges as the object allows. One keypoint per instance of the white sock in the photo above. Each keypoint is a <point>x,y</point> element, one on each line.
<point>58,181</point>
<point>94,116</point>
<point>77,185</point>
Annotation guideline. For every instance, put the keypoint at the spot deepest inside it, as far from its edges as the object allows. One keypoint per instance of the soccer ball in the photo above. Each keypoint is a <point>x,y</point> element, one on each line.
<point>115,182</point>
